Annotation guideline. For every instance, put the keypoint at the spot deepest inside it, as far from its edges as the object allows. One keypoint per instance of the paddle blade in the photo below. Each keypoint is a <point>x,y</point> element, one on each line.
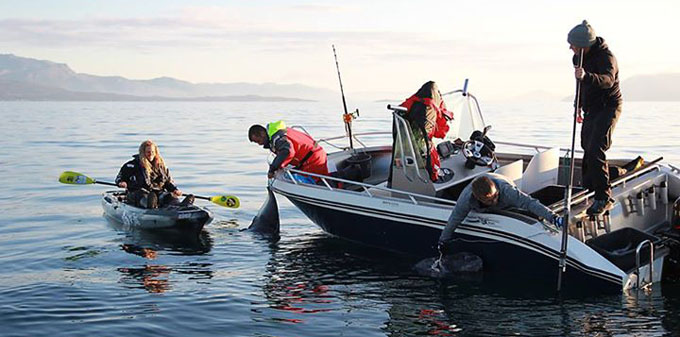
<point>229,201</point>
<point>75,178</point>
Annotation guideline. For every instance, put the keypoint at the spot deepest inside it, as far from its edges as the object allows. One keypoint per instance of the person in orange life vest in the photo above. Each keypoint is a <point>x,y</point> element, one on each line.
<point>291,147</point>
<point>428,117</point>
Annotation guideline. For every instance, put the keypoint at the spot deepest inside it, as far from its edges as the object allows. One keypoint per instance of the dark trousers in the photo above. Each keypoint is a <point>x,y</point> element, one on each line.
<point>596,139</point>
<point>153,199</point>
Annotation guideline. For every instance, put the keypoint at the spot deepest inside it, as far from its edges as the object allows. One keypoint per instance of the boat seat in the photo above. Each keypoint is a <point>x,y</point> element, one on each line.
<point>512,171</point>
<point>541,171</point>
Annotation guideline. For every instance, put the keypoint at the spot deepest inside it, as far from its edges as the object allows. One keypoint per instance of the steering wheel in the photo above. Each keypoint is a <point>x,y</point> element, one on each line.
<point>477,153</point>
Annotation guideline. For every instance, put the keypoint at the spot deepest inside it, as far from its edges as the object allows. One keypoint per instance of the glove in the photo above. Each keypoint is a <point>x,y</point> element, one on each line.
<point>558,221</point>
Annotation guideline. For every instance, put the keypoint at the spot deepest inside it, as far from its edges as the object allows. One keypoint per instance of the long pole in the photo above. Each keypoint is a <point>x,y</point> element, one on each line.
<point>344,103</point>
<point>567,193</point>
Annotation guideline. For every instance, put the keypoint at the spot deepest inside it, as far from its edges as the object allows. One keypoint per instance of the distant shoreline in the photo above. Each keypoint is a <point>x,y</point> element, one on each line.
<point>159,99</point>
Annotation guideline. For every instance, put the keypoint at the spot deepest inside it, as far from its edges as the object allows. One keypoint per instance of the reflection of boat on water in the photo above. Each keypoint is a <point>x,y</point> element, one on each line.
<point>313,279</point>
<point>605,253</point>
<point>154,277</point>
<point>175,242</point>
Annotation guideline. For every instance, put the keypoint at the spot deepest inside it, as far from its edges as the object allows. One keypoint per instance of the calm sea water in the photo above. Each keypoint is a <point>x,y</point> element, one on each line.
<point>64,270</point>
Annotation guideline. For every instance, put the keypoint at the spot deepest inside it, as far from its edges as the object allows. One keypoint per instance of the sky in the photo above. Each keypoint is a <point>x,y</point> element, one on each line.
<point>388,48</point>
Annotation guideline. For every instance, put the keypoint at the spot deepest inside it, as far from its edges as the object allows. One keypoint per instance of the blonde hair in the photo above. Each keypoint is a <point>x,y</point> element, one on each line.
<point>158,163</point>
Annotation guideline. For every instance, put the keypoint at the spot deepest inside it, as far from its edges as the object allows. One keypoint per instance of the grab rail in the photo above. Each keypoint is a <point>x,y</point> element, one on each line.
<point>651,262</point>
<point>535,147</point>
<point>412,196</point>
<point>584,195</point>
<point>398,119</point>
<point>327,140</point>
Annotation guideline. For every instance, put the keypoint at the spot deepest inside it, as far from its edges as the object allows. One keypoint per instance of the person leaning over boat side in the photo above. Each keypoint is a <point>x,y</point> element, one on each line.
<point>148,181</point>
<point>491,192</point>
<point>290,147</point>
<point>601,102</point>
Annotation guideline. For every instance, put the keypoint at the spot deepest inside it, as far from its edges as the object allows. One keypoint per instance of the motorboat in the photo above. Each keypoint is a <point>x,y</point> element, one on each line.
<point>394,205</point>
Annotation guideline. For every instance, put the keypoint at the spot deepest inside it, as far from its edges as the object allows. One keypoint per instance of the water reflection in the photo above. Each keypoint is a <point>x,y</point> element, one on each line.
<point>150,245</point>
<point>312,279</point>
<point>174,242</point>
<point>152,278</point>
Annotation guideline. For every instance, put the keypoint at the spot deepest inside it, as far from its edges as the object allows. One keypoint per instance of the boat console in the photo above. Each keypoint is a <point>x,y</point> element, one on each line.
<point>458,165</point>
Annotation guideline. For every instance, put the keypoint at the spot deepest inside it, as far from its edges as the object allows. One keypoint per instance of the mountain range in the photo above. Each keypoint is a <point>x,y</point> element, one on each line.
<point>30,79</point>
<point>37,80</point>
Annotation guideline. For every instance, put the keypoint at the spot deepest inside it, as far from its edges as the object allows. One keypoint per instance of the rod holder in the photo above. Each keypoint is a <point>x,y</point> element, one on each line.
<point>640,203</point>
<point>651,197</point>
<point>663,191</point>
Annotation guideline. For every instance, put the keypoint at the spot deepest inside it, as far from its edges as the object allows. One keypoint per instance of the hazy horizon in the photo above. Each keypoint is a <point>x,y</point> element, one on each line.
<point>506,49</point>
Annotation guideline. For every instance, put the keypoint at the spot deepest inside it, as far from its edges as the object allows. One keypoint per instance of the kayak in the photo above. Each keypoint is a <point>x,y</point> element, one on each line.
<point>184,218</point>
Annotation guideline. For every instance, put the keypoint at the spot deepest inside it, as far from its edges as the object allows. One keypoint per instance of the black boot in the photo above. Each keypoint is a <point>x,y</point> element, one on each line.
<point>600,206</point>
<point>188,200</point>
<point>152,200</point>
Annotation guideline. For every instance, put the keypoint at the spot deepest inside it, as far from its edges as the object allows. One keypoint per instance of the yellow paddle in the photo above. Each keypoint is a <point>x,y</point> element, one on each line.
<point>75,178</point>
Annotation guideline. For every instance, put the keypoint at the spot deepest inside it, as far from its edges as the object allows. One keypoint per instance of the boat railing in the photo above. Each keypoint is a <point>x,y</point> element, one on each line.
<point>401,123</point>
<point>537,148</point>
<point>586,194</point>
<point>365,188</point>
<point>328,140</point>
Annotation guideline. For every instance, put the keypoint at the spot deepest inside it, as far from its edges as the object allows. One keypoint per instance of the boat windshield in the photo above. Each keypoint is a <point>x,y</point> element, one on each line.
<point>467,115</point>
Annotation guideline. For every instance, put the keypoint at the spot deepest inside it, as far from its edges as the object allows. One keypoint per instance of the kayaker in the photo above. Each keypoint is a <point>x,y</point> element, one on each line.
<point>491,192</point>
<point>600,100</point>
<point>148,181</point>
<point>290,147</point>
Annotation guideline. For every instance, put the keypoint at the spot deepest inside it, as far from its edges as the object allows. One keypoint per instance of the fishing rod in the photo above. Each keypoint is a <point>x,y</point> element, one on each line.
<point>347,117</point>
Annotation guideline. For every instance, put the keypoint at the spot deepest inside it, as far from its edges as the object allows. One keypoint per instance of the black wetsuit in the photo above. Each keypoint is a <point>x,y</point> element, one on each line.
<point>140,185</point>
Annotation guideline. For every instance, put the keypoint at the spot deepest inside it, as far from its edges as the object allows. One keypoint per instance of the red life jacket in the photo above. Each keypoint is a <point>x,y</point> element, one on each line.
<point>443,115</point>
<point>439,131</point>
<point>302,144</point>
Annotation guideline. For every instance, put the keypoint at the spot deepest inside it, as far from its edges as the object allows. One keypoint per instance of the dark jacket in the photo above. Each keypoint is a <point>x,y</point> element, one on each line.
<point>600,86</point>
<point>279,144</point>
<point>134,174</point>
<point>509,197</point>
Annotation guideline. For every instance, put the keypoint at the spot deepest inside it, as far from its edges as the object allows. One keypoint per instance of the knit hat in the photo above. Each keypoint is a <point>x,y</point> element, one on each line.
<point>582,35</point>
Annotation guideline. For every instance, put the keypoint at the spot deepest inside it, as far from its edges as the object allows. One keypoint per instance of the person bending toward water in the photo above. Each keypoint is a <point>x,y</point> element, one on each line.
<point>148,181</point>
<point>491,192</point>
<point>290,147</point>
